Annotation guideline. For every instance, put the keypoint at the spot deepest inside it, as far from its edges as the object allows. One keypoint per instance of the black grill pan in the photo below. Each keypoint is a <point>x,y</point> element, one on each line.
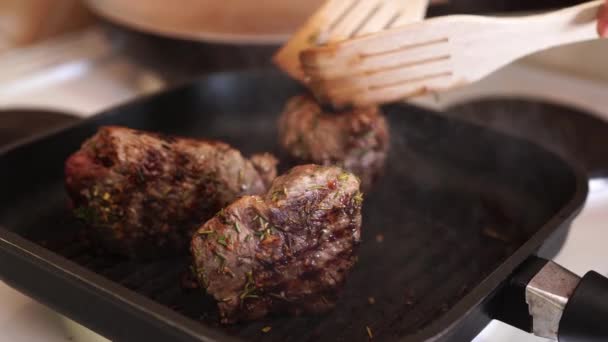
<point>459,209</point>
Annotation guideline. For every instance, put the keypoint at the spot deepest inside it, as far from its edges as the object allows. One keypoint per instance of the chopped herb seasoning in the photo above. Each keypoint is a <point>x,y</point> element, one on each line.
<point>249,289</point>
<point>206,232</point>
<point>221,258</point>
<point>280,296</point>
<point>249,295</point>
<point>236,227</point>
<point>265,234</point>
<point>266,329</point>
<point>220,213</point>
<point>262,221</point>
<point>247,238</point>
<point>343,177</point>
<point>200,274</point>
<point>229,272</point>
<point>358,198</point>
<point>369,332</point>
<point>222,240</point>
<point>276,195</point>
<point>269,238</point>
<point>250,277</point>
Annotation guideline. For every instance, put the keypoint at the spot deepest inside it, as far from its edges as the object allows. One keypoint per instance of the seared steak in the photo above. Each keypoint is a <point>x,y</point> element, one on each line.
<point>288,251</point>
<point>143,194</point>
<point>357,140</point>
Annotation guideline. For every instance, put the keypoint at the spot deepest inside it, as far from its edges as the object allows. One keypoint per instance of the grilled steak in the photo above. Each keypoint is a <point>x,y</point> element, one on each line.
<point>143,194</point>
<point>288,251</point>
<point>357,140</point>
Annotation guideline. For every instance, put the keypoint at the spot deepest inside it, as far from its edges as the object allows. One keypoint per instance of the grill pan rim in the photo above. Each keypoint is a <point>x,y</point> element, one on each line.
<point>86,280</point>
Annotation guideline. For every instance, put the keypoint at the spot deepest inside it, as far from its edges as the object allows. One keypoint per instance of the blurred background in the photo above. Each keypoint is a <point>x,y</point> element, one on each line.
<point>25,22</point>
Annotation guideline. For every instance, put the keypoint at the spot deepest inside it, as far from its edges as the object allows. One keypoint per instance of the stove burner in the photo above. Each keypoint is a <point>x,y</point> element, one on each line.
<point>16,124</point>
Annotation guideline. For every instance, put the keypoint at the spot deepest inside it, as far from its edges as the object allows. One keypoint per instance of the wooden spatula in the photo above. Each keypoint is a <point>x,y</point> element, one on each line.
<point>437,54</point>
<point>338,20</point>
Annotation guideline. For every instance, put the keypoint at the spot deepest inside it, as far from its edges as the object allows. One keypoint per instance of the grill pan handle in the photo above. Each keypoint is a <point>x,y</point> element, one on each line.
<point>585,317</point>
<point>548,300</point>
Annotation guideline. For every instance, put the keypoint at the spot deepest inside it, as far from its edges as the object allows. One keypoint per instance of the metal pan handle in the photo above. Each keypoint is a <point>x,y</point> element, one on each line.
<point>559,305</point>
<point>585,317</point>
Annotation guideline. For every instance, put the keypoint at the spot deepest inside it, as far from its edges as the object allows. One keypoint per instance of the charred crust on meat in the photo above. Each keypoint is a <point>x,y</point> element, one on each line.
<point>356,139</point>
<point>143,194</point>
<point>292,250</point>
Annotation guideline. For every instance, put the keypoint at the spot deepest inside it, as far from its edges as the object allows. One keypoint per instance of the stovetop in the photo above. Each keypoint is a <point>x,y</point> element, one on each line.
<point>84,73</point>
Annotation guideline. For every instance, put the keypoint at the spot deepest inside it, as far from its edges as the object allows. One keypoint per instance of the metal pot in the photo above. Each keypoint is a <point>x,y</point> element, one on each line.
<point>234,21</point>
<point>236,34</point>
<point>260,22</point>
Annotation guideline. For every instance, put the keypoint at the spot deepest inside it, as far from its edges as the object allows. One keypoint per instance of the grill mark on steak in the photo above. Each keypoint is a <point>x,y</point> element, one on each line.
<point>298,242</point>
<point>143,194</point>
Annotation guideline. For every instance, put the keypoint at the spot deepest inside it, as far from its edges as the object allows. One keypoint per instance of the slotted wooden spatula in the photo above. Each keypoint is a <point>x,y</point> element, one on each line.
<point>338,20</point>
<point>436,54</point>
